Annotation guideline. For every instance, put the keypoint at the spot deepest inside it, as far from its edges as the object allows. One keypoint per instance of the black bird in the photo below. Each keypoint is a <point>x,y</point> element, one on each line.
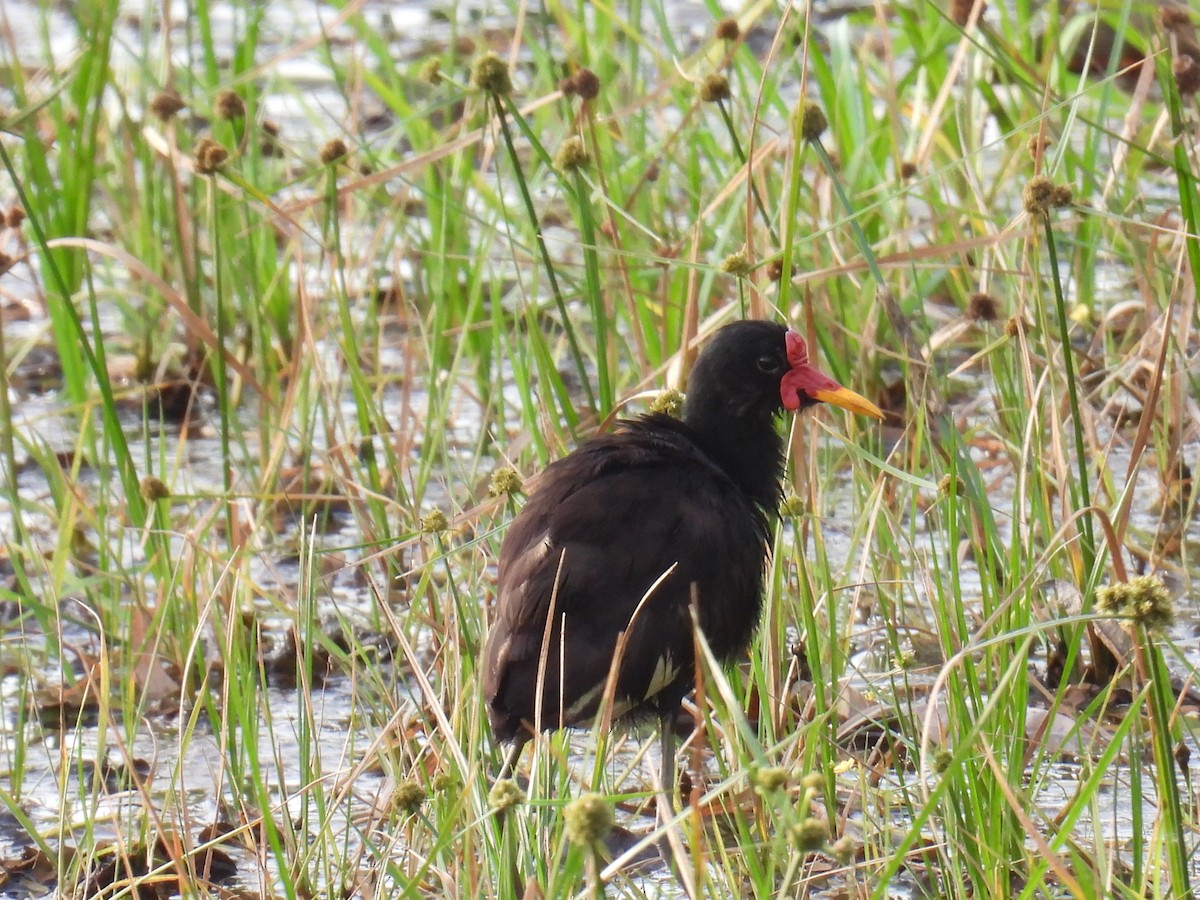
<point>600,567</point>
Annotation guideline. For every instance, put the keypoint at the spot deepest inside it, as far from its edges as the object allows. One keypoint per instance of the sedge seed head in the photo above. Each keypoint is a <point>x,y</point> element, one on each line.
<point>492,74</point>
<point>333,151</point>
<point>586,84</point>
<point>166,105</point>
<point>769,779</point>
<point>588,819</point>
<point>505,482</point>
<point>408,796</point>
<point>434,522</point>
<point>153,489</point>
<point>230,106</point>
<point>1038,196</point>
<point>715,88</point>
<point>1187,74</point>
<point>1144,600</point>
<point>210,156</point>
<point>431,71</point>
<point>983,307</point>
<point>809,835</point>
<point>792,507</point>
<point>737,264</point>
<point>668,403</point>
<point>504,795</point>
<point>728,30</point>
<point>14,217</point>
<point>812,121</point>
<point>571,155</point>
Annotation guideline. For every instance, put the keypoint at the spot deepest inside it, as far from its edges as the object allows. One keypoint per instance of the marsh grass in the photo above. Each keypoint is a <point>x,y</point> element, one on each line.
<point>286,630</point>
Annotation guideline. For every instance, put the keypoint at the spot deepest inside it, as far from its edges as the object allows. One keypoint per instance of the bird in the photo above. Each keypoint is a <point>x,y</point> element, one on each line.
<point>618,540</point>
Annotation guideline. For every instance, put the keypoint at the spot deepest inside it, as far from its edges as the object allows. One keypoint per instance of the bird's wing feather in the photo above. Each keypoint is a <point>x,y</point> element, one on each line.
<point>605,524</point>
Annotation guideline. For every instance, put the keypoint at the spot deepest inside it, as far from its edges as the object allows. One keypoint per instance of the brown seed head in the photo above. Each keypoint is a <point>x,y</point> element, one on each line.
<point>153,489</point>
<point>1174,15</point>
<point>775,269</point>
<point>210,156</point>
<point>14,217</point>
<point>960,11</point>
<point>1061,197</point>
<point>812,121</point>
<point>333,151</point>
<point>715,88</point>
<point>728,30</point>
<point>230,106</point>
<point>1187,74</point>
<point>908,169</point>
<point>1038,196</point>
<point>587,84</point>
<point>1037,146</point>
<point>6,262</point>
<point>983,307</point>
<point>166,104</point>
<point>490,73</point>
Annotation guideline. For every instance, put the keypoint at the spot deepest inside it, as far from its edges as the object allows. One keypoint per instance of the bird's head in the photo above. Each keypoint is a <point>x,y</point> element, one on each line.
<point>752,369</point>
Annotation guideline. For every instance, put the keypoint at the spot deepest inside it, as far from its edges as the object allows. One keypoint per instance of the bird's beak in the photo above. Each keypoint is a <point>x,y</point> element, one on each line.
<point>848,399</point>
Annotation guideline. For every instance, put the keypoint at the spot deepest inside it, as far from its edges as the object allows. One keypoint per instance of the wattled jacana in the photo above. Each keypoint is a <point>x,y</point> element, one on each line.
<point>619,538</point>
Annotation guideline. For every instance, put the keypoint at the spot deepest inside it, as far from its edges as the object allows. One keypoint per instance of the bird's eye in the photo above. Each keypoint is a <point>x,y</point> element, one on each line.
<point>769,364</point>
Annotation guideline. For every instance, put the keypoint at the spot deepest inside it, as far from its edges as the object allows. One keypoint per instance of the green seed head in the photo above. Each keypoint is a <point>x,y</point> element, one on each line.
<point>434,522</point>
<point>809,835</point>
<point>490,73</point>
<point>571,155</point>
<point>1144,600</point>
<point>769,779</point>
<point>669,402</point>
<point>408,796</point>
<point>792,507</point>
<point>431,71</point>
<point>737,264</point>
<point>505,794</point>
<point>588,819</point>
<point>505,482</point>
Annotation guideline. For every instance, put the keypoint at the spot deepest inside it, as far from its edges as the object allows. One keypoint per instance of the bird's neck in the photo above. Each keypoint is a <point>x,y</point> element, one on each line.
<point>749,451</point>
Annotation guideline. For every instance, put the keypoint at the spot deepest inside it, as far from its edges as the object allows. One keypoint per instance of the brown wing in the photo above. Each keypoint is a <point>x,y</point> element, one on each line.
<point>605,525</point>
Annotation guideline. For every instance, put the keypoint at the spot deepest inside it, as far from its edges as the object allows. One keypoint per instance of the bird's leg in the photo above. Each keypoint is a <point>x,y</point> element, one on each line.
<point>673,853</point>
<point>511,758</point>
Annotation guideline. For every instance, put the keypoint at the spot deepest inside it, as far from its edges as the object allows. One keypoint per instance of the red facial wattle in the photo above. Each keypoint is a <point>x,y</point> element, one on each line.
<point>802,377</point>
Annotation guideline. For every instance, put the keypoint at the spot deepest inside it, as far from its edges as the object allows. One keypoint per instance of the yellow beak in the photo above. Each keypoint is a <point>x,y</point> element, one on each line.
<point>847,399</point>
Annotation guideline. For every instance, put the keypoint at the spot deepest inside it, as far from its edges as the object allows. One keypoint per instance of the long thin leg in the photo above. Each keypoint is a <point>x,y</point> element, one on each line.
<point>669,843</point>
<point>511,758</point>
